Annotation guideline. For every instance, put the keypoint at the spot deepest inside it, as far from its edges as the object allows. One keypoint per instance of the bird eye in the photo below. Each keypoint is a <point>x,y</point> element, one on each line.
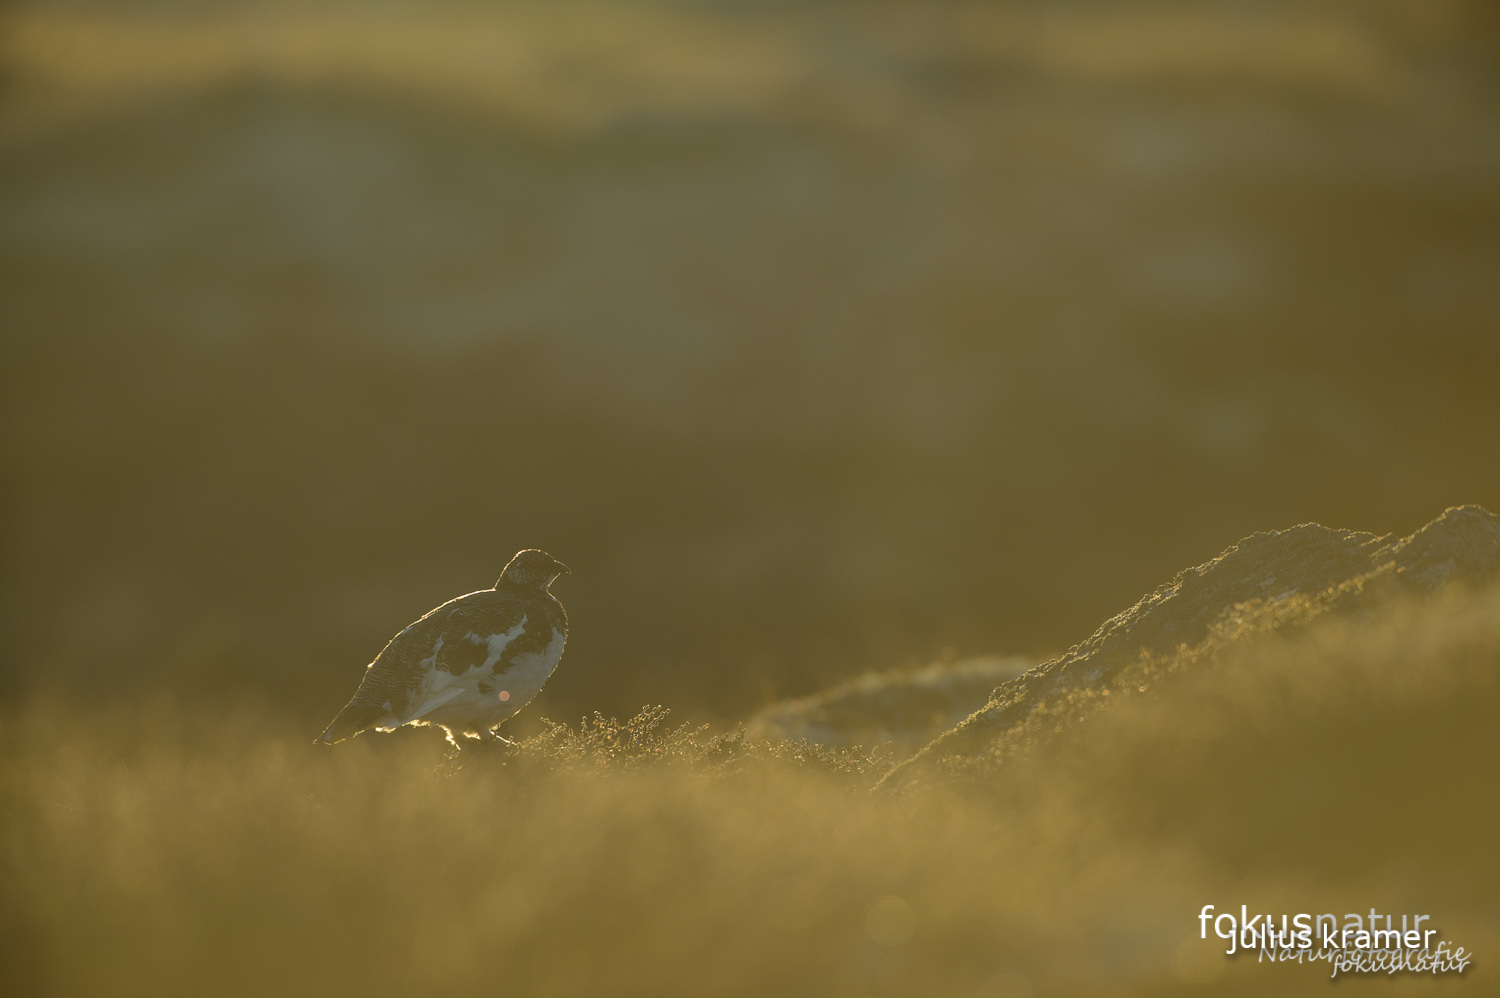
<point>505,694</point>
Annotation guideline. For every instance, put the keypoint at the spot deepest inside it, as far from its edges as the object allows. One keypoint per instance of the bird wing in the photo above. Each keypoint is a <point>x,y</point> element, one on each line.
<point>480,631</point>
<point>489,627</point>
<point>423,708</point>
<point>394,678</point>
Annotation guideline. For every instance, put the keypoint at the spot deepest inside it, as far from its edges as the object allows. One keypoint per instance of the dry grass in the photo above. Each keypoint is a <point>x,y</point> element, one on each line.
<point>164,851</point>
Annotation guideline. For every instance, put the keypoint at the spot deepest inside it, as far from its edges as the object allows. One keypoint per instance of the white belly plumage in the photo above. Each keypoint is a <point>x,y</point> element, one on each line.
<point>457,702</point>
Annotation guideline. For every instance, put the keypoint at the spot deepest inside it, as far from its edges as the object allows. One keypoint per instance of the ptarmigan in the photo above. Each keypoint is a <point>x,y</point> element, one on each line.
<point>469,664</point>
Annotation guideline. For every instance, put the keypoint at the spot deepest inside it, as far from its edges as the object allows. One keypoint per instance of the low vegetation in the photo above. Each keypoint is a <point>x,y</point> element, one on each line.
<point>175,849</point>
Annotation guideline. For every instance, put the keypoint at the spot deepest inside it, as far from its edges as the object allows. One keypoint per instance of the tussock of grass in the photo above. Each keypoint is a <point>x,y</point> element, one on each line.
<point>170,851</point>
<point>607,744</point>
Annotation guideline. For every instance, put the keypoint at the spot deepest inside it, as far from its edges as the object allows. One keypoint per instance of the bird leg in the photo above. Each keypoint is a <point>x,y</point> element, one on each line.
<point>490,736</point>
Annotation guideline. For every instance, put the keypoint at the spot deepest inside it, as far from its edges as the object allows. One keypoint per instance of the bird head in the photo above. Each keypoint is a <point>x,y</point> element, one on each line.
<point>532,569</point>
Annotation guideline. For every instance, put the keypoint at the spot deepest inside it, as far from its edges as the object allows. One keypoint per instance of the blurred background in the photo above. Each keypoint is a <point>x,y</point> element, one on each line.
<point>816,337</point>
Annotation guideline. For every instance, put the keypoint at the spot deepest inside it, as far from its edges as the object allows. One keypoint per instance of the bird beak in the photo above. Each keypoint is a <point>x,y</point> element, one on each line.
<point>565,569</point>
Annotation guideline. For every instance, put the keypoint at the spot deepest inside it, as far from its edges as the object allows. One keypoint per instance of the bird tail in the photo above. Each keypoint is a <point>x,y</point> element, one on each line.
<point>356,716</point>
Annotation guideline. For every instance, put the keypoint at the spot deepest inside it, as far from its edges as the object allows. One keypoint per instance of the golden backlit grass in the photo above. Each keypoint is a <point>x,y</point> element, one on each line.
<point>167,850</point>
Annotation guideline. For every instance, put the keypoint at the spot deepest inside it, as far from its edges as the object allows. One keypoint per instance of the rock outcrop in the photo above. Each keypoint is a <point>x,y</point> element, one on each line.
<point>1292,576</point>
<point>904,709</point>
